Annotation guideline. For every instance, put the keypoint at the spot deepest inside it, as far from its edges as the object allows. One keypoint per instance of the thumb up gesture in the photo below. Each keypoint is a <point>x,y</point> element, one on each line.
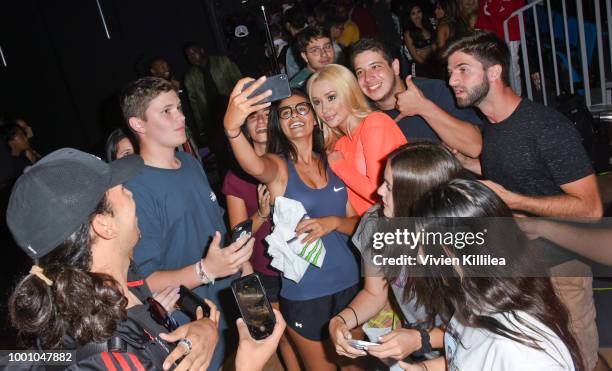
<point>411,101</point>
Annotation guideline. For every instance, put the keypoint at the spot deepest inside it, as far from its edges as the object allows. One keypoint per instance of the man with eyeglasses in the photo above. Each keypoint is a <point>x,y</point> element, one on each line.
<point>317,50</point>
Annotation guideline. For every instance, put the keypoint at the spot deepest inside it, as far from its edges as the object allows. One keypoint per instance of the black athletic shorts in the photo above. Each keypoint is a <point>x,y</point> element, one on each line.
<point>310,318</point>
<point>272,285</point>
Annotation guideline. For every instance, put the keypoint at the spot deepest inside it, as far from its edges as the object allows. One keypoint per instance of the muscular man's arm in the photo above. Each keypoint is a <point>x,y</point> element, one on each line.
<point>580,199</point>
<point>592,243</point>
<point>471,164</point>
<point>454,132</point>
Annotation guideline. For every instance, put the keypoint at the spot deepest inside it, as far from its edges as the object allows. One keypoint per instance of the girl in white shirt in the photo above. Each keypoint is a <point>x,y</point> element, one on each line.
<point>497,319</point>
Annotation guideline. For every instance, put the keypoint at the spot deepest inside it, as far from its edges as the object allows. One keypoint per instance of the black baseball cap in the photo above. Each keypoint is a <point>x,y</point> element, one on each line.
<point>57,194</point>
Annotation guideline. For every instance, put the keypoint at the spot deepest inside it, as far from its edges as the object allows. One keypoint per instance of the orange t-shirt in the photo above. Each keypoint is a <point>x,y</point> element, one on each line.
<point>365,156</point>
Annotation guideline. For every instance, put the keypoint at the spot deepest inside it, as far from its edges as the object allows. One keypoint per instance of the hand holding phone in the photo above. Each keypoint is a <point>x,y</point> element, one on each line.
<point>241,230</point>
<point>254,306</point>
<point>188,302</point>
<point>254,354</point>
<point>222,261</point>
<point>242,104</point>
<point>361,344</point>
<point>278,84</point>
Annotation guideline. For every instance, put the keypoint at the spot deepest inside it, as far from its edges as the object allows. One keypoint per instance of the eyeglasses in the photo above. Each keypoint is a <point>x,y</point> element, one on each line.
<point>318,51</point>
<point>160,315</point>
<point>287,111</point>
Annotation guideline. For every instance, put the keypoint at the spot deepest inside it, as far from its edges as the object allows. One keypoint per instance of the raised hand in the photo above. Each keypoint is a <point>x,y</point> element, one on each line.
<point>240,106</point>
<point>263,199</point>
<point>221,262</point>
<point>411,101</point>
<point>253,354</point>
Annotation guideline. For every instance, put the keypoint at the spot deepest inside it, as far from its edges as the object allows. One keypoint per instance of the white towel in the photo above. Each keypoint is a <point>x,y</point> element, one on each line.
<point>289,254</point>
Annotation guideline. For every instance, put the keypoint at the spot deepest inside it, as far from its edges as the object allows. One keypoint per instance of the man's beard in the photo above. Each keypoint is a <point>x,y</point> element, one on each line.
<point>475,95</point>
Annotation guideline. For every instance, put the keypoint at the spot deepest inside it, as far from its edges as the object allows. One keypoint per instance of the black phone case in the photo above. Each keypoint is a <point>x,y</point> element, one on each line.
<point>268,327</point>
<point>279,84</point>
<point>188,303</point>
<point>240,230</point>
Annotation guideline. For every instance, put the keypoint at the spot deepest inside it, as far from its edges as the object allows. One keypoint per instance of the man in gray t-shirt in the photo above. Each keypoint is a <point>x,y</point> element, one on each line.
<point>533,160</point>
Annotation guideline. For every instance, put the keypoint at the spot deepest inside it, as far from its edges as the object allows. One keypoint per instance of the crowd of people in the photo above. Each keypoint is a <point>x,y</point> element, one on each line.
<point>396,111</point>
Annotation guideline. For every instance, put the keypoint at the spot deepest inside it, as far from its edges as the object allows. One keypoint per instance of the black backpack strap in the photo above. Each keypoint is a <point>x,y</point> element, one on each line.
<point>114,344</point>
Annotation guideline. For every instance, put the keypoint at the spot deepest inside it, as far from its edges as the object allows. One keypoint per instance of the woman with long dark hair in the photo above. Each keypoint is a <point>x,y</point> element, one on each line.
<point>419,40</point>
<point>246,199</point>
<point>295,167</point>
<point>119,144</point>
<point>411,171</point>
<point>450,23</point>
<point>496,319</point>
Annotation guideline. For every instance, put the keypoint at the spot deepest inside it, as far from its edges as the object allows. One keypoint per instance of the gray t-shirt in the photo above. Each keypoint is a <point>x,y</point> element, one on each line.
<point>534,151</point>
<point>362,240</point>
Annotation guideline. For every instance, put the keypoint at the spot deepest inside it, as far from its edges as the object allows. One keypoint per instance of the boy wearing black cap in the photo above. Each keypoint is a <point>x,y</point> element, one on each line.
<point>72,215</point>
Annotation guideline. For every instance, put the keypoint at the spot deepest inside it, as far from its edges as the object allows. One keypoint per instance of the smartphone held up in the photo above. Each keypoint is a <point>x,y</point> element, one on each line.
<point>278,84</point>
<point>254,306</point>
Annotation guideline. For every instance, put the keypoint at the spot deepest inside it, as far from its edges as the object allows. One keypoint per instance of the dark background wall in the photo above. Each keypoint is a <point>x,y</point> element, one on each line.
<point>63,73</point>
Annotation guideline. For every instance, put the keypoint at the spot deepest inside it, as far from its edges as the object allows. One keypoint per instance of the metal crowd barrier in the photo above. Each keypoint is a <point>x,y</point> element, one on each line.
<point>605,86</point>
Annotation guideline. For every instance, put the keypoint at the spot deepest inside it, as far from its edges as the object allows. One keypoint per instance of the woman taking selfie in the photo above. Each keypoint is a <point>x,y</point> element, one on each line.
<point>295,167</point>
<point>247,199</point>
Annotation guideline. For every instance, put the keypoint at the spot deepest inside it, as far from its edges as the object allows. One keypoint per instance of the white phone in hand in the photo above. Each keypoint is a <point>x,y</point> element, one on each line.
<point>361,344</point>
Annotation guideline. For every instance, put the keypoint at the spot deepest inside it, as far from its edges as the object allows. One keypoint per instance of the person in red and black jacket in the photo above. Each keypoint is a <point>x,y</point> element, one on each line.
<point>71,214</point>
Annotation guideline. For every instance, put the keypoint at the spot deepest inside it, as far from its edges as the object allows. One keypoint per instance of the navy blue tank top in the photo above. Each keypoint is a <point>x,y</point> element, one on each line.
<point>340,268</point>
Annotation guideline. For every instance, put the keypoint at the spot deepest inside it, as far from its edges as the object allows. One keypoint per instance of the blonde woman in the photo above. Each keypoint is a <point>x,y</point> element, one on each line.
<point>357,140</point>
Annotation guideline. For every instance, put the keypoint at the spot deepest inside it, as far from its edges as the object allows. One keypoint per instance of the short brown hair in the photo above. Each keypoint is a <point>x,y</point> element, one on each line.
<point>137,95</point>
<point>373,45</point>
<point>309,34</point>
<point>487,48</point>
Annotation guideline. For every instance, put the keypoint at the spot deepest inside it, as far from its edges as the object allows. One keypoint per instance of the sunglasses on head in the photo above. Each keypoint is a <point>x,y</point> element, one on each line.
<point>160,315</point>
